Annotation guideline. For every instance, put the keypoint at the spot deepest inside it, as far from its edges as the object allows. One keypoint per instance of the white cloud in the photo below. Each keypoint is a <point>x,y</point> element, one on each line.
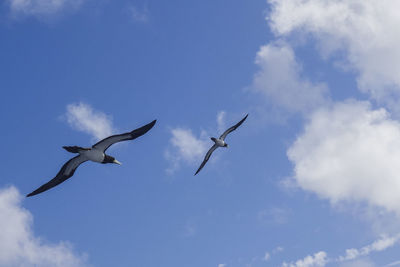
<point>277,250</point>
<point>365,32</point>
<point>84,118</point>
<point>280,80</point>
<point>352,256</point>
<point>319,259</point>
<point>190,147</point>
<point>395,263</point>
<point>267,256</point>
<point>184,146</point>
<point>221,265</point>
<point>350,152</point>
<point>351,253</point>
<point>18,244</point>
<point>221,121</point>
<point>41,7</point>
<point>378,245</point>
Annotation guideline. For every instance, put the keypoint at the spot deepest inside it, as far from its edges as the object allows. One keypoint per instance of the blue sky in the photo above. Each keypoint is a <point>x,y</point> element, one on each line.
<point>310,179</point>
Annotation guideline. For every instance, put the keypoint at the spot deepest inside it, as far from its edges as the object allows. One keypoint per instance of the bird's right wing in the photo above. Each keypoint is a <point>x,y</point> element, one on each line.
<point>67,170</point>
<point>206,157</point>
<point>107,142</point>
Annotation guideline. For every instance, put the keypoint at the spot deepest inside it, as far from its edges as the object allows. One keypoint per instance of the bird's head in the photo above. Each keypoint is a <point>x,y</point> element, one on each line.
<point>226,145</point>
<point>110,159</point>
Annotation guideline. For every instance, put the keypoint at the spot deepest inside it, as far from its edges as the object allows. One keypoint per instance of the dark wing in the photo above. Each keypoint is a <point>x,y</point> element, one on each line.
<point>232,128</point>
<point>107,142</point>
<point>206,157</point>
<point>66,172</point>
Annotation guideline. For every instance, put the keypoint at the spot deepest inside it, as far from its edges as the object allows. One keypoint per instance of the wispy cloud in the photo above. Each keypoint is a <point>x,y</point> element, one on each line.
<point>352,257</point>
<point>41,7</point>
<point>185,146</point>
<point>378,245</point>
<point>139,14</point>
<point>268,255</point>
<point>274,215</point>
<point>84,118</point>
<point>280,80</point>
<point>18,244</point>
<point>221,121</point>
<point>395,263</point>
<point>319,259</point>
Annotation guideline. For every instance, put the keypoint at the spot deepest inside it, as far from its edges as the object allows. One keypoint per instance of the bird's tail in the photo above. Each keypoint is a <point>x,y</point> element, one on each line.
<point>74,149</point>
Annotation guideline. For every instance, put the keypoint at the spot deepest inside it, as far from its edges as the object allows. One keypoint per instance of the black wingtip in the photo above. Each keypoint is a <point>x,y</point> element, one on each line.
<point>245,117</point>
<point>74,149</point>
<point>34,193</point>
<point>151,124</point>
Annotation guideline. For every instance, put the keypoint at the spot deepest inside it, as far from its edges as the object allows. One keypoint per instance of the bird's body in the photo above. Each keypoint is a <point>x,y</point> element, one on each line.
<point>219,142</point>
<point>93,154</point>
<point>96,154</point>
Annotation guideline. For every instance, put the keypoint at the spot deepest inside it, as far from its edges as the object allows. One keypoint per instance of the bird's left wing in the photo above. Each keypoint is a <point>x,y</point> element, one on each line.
<point>206,157</point>
<point>233,128</point>
<point>107,142</point>
<point>67,170</point>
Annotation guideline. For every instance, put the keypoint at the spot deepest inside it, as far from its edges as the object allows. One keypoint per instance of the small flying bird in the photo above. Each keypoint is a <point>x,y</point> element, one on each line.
<point>95,153</point>
<point>220,142</point>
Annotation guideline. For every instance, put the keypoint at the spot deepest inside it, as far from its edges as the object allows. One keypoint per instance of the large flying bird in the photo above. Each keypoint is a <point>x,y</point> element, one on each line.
<point>220,142</point>
<point>96,153</point>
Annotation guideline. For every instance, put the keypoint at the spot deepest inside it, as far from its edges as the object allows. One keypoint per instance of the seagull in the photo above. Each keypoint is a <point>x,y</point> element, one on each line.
<point>220,142</point>
<point>96,153</point>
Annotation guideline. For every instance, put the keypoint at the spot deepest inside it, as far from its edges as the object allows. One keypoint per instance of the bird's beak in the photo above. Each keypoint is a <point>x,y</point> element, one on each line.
<point>117,162</point>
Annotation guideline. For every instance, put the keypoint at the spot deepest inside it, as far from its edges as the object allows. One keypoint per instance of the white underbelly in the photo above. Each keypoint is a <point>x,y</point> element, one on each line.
<point>219,142</point>
<point>93,155</point>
